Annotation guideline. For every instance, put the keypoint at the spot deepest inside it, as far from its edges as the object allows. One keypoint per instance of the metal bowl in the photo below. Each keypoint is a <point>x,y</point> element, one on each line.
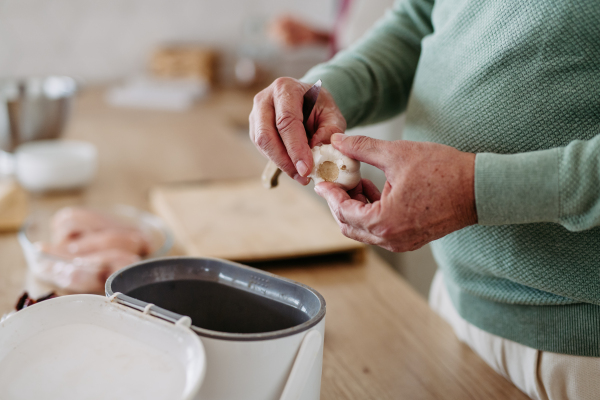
<point>34,109</point>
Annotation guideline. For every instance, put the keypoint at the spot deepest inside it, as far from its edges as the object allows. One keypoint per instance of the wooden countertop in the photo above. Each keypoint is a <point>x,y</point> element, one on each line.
<point>381,340</point>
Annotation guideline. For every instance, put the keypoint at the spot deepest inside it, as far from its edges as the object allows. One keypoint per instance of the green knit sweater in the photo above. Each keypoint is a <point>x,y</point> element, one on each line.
<point>518,83</point>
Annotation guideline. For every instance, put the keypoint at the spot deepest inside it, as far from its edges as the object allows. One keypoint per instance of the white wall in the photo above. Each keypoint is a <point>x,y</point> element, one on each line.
<point>100,40</point>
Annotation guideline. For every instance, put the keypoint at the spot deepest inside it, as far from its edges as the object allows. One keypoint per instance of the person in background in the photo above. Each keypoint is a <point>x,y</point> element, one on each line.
<point>500,170</point>
<point>293,32</point>
<point>352,19</point>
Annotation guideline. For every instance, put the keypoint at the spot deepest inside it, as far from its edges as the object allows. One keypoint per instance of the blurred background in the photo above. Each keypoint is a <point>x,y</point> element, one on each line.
<point>101,41</point>
<point>167,54</point>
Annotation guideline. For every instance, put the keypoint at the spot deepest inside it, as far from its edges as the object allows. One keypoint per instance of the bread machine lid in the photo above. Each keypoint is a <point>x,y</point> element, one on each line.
<point>87,346</point>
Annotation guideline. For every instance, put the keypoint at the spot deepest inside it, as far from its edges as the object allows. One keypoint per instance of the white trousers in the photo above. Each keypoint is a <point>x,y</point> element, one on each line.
<point>541,375</point>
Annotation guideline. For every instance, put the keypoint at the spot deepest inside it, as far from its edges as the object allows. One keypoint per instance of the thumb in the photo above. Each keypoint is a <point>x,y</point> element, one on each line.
<point>363,148</point>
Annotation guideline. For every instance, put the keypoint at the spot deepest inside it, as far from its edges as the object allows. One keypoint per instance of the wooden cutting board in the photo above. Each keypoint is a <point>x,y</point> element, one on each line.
<point>13,205</point>
<point>242,221</point>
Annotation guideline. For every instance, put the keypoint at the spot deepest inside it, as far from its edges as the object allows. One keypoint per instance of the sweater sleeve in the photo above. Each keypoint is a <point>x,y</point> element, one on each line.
<point>560,185</point>
<point>371,80</point>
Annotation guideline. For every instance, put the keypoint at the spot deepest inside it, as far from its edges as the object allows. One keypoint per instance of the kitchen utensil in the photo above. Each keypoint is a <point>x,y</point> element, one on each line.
<point>239,220</point>
<point>259,330</point>
<point>89,347</point>
<point>46,165</point>
<point>271,172</point>
<point>34,109</point>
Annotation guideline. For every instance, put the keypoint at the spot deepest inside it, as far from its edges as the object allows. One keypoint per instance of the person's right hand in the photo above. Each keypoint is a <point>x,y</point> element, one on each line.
<point>276,127</point>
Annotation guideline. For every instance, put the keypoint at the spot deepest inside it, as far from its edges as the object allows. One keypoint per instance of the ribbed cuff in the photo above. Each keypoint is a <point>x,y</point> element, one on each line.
<point>517,188</point>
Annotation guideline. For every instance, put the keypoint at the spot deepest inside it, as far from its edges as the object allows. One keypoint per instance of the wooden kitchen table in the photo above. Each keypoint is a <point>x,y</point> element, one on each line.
<point>381,339</point>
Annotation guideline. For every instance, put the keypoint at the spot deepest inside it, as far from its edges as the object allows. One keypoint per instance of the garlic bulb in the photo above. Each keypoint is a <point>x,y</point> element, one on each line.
<point>332,166</point>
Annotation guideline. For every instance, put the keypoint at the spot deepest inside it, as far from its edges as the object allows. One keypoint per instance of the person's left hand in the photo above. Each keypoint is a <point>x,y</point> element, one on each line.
<point>429,193</point>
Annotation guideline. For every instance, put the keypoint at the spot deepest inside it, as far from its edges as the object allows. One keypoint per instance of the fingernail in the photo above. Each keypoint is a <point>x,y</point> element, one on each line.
<point>300,179</point>
<point>302,168</point>
<point>337,138</point>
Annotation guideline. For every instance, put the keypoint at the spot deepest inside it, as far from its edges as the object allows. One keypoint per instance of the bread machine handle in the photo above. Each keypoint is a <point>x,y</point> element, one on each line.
<point>151,309</point>
<point>309,350</point>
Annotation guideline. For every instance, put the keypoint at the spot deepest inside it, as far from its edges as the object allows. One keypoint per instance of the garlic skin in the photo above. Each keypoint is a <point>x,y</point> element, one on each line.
<point>332,166</point>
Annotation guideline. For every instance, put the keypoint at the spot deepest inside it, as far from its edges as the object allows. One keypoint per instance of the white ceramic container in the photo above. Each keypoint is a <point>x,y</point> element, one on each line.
<point>254,370</point>
<point>48,165</point>
<point>283,362</point>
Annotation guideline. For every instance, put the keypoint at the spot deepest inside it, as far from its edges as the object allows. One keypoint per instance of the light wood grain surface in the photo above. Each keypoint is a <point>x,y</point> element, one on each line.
<point>240,220</point>
<point>381,340</point>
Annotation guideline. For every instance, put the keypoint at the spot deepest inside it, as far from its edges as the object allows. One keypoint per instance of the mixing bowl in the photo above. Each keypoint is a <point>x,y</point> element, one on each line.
<point>74,275</point>
<point>34,108</point>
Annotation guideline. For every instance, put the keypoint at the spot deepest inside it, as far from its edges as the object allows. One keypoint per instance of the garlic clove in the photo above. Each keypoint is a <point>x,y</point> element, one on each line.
<point>330,165</point>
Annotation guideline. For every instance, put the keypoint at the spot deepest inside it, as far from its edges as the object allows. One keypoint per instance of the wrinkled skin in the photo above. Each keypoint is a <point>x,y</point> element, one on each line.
<point>429,191</point>
<point>277,131</point>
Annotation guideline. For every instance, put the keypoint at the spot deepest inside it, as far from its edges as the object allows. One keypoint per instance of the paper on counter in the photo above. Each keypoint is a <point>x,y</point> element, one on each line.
<point>158,94</point>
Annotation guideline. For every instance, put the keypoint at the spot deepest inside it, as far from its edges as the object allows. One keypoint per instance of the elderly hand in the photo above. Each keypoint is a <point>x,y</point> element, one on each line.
<point>429,193</point>
<point>276,125</point>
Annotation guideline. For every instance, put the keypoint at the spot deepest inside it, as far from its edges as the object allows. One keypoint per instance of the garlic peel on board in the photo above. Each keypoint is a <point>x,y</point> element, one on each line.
<point>332,166</point>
